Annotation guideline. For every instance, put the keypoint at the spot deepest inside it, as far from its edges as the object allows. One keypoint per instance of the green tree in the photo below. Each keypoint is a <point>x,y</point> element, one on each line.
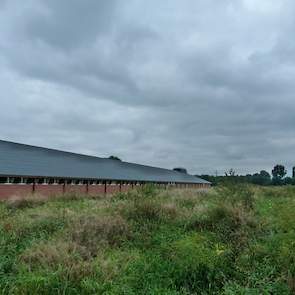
<point>265,177</point>
<point>289,181</point>
<point>262,178</point>
<point>264,174</point>
<point>279,171</point>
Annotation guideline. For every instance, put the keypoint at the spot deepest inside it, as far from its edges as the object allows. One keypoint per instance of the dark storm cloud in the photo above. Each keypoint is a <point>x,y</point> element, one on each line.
<point>207,85</point>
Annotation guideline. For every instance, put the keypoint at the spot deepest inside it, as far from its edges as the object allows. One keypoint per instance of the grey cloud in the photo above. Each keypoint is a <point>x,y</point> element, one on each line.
<point>202,84</point>
<point>70,24</point>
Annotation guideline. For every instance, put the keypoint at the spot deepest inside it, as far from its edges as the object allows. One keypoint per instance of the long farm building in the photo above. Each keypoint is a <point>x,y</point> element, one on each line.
<point>26,170</point>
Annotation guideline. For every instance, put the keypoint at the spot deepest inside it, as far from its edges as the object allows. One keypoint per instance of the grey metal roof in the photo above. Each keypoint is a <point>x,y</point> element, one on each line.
<point>31,161</point>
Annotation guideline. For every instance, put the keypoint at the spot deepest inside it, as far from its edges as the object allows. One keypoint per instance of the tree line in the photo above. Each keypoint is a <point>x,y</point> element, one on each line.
<point>277,177</point>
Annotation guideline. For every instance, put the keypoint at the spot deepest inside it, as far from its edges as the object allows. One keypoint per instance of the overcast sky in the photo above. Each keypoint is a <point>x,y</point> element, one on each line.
<point>203,84</point>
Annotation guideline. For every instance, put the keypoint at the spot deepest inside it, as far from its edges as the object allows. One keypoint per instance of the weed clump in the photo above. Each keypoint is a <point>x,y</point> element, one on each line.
<point>19,203</point>
<point>94,232</point>
<point>145,206</point>
<point>52,254</point>
<point>198,265</point>
<point>148,191</point>
<point>70,196</point>
<point>143,210</point>
<point>149,210</point>
<point>237,194</point>
<point>277,192</point>
<point>37,227</point>
<point>230,224</point>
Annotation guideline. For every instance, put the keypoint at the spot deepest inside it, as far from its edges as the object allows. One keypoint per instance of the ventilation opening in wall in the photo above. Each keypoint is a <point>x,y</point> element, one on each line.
<point>16,180</point>
<point>3,180</point>
<point>41,181</point>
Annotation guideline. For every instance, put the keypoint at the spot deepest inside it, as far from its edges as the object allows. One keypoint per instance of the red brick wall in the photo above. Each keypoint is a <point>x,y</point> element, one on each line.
<point>94,190</point>
<point>126,188</point>
<point>9,190</point>
<point>76,188</point>
<point>113,188</point>
<point>193,185</point>
<point>49,190</point>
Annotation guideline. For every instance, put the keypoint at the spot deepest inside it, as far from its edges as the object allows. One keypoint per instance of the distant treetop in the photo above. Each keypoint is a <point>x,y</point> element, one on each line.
<point>231,172</point>
<point>114,158</point>
<point>279,171</point>
<point>180,169</point>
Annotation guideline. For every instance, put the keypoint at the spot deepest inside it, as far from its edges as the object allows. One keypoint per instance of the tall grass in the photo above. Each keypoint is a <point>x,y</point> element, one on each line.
<point>232,240</point>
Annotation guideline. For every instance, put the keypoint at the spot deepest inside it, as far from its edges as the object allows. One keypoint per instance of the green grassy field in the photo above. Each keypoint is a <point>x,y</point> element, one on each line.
<point>231,240</point>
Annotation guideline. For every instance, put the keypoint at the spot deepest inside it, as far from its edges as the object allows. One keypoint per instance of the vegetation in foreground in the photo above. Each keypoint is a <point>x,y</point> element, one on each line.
<point>232,240</point>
